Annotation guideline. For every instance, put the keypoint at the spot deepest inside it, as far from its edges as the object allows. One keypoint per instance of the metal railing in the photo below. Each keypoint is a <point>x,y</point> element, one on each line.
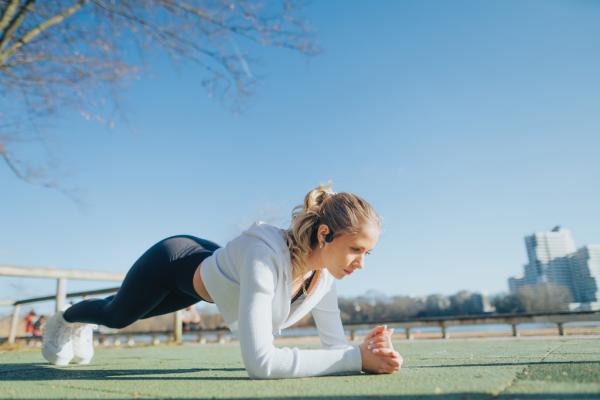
<point>61,276</point>
<point>558,318</point>
<point>221,335</point>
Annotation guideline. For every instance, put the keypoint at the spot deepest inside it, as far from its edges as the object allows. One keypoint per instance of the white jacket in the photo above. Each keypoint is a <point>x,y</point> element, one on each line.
<point>250,281</point>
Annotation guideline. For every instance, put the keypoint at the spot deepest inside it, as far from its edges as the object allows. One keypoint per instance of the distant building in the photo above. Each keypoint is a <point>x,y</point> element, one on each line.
<point>546,252</point>
<point>585,264</point>
<point>546,263</point>
<point>553,258</point>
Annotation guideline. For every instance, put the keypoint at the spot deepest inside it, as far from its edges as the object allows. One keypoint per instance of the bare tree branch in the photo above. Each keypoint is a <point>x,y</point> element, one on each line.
<point>15,23</point>
<point>56,57</point>
<point>8,13</point>
<point>57,19</point>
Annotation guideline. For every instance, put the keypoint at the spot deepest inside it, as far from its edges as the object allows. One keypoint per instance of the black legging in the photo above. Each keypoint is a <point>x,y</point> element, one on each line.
<point>160,282</point>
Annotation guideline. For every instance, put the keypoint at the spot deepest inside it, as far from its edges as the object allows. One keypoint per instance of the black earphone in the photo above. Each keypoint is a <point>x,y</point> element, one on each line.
<point>329,237</point>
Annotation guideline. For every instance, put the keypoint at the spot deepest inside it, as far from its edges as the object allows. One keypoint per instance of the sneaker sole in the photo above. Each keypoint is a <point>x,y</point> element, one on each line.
<point>82,361</point>
<point>85,361</point>
<point>56,360</point>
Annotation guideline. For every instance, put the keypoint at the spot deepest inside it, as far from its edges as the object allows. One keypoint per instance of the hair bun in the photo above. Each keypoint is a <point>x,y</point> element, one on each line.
<point>316,197</point>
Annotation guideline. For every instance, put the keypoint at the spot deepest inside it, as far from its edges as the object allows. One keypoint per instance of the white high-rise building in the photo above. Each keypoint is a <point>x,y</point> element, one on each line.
<point>554,259</point>
<point>546,252</point>
<point>548,262</point>
<point>543,247</point>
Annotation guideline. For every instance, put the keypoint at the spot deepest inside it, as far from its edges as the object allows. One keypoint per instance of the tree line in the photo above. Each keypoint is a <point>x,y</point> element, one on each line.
<point>376,309</point>
<point>528,299</point>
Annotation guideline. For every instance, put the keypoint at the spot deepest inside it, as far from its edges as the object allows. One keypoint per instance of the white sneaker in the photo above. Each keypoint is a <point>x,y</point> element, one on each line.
<point>57,346</point>
<point>83,344</point>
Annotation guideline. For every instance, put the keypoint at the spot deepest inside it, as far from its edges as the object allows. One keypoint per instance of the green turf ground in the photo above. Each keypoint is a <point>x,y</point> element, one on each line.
<point>440,369</point>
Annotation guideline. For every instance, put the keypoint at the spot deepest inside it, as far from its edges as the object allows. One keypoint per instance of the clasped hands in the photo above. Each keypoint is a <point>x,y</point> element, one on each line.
<point>377,352</point>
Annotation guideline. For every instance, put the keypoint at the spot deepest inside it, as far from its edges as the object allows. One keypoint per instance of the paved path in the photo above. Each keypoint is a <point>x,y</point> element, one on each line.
<point>566,368</point>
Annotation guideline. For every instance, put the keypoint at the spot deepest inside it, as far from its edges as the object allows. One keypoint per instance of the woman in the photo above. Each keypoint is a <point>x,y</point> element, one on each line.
<point>262,281</point>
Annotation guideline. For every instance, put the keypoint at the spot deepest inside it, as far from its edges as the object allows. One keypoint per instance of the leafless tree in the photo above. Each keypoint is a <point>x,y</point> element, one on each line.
<point>544,298</point>
<point>55,54</point>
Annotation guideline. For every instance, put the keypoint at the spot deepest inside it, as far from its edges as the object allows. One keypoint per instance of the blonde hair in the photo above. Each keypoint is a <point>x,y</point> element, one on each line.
<point>342,212</point>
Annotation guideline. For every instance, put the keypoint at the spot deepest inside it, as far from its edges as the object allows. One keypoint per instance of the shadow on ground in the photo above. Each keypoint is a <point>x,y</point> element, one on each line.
<point>44,372</point>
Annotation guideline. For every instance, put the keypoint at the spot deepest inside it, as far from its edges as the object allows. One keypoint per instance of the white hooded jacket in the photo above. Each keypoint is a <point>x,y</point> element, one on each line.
<point>250,281</point>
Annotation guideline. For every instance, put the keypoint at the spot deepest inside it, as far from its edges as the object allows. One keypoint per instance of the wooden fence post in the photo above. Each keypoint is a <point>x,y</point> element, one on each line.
<point>445,334</point>
<point>561,329</point>
<point>177,327</point>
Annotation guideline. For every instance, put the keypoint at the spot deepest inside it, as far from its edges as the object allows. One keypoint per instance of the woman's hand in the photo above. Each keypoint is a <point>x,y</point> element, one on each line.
<point>379,338</point>
<point>377,352</point>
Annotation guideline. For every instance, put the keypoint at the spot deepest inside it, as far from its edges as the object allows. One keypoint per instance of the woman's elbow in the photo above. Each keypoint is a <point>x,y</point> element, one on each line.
<point>269,362</point>
<point>259,372</point>
<point>259,368</point>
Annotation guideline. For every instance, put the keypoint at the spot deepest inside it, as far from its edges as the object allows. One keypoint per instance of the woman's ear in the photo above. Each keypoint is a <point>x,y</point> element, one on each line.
<point>323,233</point>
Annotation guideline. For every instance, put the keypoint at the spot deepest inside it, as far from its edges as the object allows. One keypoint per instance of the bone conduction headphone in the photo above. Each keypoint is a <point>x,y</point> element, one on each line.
<point>329,237</point>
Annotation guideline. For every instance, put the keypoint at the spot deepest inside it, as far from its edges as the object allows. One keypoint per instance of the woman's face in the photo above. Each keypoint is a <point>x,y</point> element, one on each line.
<point>346,253</point>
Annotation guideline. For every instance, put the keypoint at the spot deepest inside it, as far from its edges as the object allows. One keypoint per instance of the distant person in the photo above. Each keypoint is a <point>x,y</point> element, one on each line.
<point>38,325</point>
<point>29,320</point>
<point>262,281</point>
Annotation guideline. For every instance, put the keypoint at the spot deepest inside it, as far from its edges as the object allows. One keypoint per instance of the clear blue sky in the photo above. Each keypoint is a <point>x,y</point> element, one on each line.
<point>467,124</point>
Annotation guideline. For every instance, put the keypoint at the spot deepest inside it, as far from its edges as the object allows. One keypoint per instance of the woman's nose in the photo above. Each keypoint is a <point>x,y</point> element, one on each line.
<point>360,261</point>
